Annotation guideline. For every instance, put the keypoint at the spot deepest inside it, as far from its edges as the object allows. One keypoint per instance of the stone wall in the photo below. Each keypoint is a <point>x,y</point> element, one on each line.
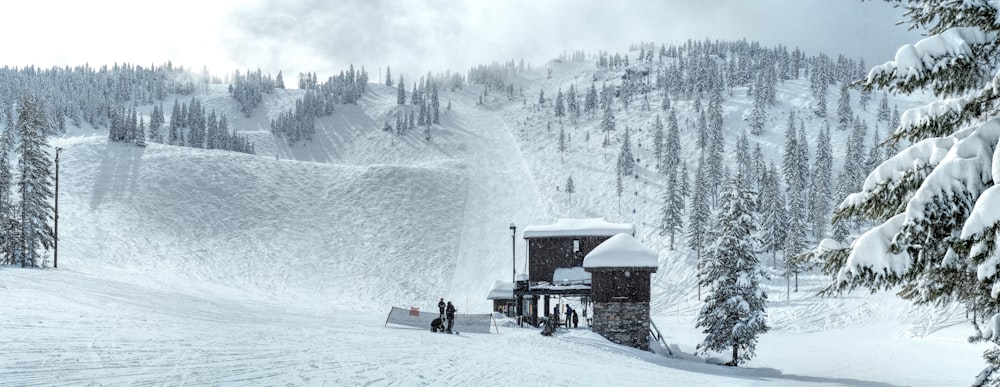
<point>625,323</point>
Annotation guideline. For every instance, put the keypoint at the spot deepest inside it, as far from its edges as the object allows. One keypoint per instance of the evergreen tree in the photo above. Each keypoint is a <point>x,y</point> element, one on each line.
<point>734,313</point>
<point>155,123</point>
<point>34,183</point>
<point>819,82</point>
<point>175,125</point>
<point>795,237</point>
<point>821,192</point>
<point>570,189</point>
<point>388,76</point>
<point>590,102</point>
<point>572,105</point>
<point>700,214</point>
<point>757,118</point>
<point>802,183</point>
<point>8,221</point>
<point>790,159</point>
<point>758,169</point>
<point>279,81</point>
<point>560,106</point>
<point>744,162</point>
<point>608,125</point>
<point>658,142</point>
<point>672,145</point>
<point>626,160</point>
<point>435,105</point>
<point>866,94</point>
<point>844,114</point>
<point>606,98</point>
<point>716,145</point>
<point>685,184</point>
<point>213,136</point>
<point>775,222</point>
<point>672,212</point>
<point>883,109</point>
<point>140,138</point>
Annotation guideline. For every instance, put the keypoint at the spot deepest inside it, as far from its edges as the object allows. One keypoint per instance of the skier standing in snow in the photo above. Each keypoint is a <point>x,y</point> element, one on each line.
<point>450,313</point>
<point>569,316</point>
<point>441,307</point>
<point>576,319</point>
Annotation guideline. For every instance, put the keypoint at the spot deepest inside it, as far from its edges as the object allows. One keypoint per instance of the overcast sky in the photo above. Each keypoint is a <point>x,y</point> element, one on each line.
<point>416,36</point>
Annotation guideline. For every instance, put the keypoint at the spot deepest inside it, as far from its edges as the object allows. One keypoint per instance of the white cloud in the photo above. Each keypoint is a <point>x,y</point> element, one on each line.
<point>419,35</point>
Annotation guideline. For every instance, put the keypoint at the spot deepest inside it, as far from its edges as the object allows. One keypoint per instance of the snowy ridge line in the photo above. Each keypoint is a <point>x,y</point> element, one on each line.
<point>413,317</point>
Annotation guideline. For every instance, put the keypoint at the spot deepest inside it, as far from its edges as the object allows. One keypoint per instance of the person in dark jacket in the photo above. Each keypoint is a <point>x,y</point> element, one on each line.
<point>441,307</point>
<point>437,325</point>
<point>569,316</point>
<point>450,313</point>
<point>576,319</point>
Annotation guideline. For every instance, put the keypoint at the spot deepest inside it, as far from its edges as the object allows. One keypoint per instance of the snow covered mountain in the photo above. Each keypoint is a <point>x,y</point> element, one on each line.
<point>182,265</point>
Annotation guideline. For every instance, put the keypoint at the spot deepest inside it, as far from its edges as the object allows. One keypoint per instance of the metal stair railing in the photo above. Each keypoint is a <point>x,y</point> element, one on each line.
<point>655,333</point>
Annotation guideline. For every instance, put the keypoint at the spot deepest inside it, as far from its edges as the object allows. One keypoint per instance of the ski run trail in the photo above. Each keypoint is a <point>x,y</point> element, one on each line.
<point>181,266</point>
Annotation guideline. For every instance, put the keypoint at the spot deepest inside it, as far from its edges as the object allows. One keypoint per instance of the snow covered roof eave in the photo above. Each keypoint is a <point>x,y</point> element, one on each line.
<point>578,227</point>
<point>501,290</point>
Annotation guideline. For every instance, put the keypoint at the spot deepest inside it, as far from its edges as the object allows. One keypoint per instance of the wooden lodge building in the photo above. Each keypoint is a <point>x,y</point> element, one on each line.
<point>555,255</point>
<point>594,260</point>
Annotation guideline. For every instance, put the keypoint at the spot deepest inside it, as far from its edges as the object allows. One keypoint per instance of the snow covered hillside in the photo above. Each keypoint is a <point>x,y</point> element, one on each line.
<point>190,266</point>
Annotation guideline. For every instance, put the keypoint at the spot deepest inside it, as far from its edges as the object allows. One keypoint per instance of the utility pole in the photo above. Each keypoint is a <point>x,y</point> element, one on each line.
<point>513,253</point>
<point>55,240</point>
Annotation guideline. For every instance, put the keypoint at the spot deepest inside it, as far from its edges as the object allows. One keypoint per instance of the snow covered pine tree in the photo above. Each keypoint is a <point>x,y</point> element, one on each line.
<point>935,202</point>
<point>34,183</point>
<point>733,314</point>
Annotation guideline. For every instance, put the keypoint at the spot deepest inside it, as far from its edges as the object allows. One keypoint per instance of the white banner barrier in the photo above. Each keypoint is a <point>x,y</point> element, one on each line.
<point>413,317</point>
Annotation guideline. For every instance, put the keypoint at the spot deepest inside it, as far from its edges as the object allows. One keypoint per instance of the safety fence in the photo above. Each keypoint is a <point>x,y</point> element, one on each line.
<point>413,317</point>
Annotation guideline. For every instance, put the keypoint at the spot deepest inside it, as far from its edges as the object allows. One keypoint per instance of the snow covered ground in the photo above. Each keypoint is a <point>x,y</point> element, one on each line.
<point>186,266</point>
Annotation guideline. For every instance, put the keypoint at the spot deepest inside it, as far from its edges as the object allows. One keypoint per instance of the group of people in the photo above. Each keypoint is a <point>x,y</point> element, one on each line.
<point>572,319</point>
<point>447,316</point>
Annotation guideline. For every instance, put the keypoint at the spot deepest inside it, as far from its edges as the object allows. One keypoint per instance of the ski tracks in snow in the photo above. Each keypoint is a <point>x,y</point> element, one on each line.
<point>499,182</point>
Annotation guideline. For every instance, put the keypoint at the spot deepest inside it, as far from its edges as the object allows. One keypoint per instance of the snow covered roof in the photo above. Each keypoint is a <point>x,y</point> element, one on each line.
<point>578,227</point>
<point>570,276</point>
<point>621,250</point>
<point>501,290</point>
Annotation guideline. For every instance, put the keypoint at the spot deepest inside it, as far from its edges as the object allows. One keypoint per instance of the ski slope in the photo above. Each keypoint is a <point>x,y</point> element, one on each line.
<point>190,266</point>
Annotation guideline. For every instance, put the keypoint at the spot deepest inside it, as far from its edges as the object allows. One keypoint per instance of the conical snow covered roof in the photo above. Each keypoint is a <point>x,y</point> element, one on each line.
<point>621,250</point>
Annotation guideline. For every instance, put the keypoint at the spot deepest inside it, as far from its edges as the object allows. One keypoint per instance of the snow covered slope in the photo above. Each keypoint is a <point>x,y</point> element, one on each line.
<point>182,265</point>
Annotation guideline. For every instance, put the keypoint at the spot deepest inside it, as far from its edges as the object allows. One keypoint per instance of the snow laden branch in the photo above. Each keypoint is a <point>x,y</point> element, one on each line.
<point>945,63</point>
<point>920,239</point>
<point>887,189</point>
<point>949,64</point>
<point>871,262</point>
<point>939,245</point>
